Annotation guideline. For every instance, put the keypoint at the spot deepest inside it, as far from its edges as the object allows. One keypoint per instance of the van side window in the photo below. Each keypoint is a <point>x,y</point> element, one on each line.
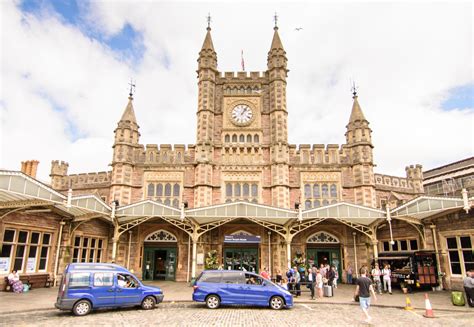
<point>79,279</point>
<point>211,277</point>
<point>233,278</point>
<point>103,279</point>
<point>252,279</point>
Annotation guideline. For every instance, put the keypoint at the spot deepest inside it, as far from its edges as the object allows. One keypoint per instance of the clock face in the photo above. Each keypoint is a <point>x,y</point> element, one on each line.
<point>242,114</point>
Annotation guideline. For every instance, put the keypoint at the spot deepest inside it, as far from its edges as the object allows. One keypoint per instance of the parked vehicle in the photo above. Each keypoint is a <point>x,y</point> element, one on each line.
<point>216,287</point>
<point>412,270</point>
<point>87,286</point>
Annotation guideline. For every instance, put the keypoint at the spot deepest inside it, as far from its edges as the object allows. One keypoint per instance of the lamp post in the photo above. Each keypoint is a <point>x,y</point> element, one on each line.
<point>355,254</point>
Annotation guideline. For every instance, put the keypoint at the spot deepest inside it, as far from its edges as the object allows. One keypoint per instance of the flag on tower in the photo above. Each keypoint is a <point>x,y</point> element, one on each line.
<point>242,62</point>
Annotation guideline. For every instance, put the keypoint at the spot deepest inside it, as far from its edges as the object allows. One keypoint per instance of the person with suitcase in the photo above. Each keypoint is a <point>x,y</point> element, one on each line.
<point>363,289</point>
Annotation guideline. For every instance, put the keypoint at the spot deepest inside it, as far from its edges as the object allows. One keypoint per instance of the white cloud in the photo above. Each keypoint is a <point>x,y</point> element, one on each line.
<point>405,57</point>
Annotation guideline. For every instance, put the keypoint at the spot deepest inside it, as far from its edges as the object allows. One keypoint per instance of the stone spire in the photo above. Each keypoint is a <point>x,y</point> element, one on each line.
<point>207,55</point>
<point>356,113</point>
<point>358,129</point>
<point>129,113</point>
<point>277,54</point>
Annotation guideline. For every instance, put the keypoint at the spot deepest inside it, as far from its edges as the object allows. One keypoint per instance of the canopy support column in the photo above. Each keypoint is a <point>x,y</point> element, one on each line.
<point>115,240</point>
<point>376,250</point>
<point>58,249</point>
<point>194,238</point>
<point>438,263</point>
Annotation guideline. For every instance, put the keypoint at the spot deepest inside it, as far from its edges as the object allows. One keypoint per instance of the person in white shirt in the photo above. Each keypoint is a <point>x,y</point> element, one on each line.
<point>387,279</point>
<point>376,274</point>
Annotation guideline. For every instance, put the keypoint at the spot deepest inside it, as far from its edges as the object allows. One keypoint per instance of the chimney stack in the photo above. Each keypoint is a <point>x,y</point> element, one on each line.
<point>30,167</point>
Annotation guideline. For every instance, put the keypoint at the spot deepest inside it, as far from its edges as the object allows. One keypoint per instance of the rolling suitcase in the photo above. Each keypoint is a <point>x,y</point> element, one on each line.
<point>327,290</point>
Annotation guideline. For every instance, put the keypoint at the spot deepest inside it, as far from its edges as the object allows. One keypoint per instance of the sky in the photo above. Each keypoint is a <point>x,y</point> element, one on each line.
<point>66,65</point>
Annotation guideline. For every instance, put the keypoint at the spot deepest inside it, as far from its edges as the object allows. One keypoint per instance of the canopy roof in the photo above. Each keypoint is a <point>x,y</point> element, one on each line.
<point>18,191</point>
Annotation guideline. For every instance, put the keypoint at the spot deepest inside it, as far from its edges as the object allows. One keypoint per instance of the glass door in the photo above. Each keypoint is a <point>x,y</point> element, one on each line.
<point>241,259</point>
<point>329,256</point>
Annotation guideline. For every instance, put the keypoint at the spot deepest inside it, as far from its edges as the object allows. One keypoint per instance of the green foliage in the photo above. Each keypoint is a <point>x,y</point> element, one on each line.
<point>212,261</point>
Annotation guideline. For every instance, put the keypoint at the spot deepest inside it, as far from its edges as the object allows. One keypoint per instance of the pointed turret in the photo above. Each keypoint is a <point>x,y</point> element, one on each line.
<point>277,54</point>
<point>129,113</point>
<point>207,55</point>
<point>358,130</point>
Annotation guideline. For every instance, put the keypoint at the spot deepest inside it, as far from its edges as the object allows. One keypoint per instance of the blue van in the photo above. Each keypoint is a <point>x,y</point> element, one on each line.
<point>216,287</point>
<point>87,286</point>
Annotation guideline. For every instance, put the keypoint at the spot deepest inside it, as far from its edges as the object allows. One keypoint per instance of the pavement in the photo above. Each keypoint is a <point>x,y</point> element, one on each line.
<point>179,292</point>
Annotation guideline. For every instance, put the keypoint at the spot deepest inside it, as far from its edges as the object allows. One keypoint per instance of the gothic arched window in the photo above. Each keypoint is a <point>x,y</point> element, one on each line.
<point>227,138</point>
<point>254,190</point>
<point>237,190</point>
<point>249,138</point>
<point>176,190</point>
<point>322,237</point>
<point>333,191</point>
<point>324,190</point>
<point>317,204</point>
<point>325,202</point>
<point>307,204</point>
<point>307,191</point>
<point>245,190</point>
<point>316,193</point>
<point>167,202</point>
<point>159,190</point>
<point>151,189</point>
<point>168,189</point>
<point>242,138</point>
<point>234,138</point>
<point>161,236</point>
<point>256,138</point>
<point>228,189</point>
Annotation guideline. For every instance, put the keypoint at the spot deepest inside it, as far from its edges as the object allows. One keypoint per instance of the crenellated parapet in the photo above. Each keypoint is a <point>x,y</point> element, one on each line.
<point>84,181</point>
<point>240,155</point>
<point>412,183</point>
<point>166,154</point>
<point>317,154</point>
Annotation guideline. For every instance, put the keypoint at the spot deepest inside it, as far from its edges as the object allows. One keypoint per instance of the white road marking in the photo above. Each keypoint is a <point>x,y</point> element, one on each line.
<point>307,307</point>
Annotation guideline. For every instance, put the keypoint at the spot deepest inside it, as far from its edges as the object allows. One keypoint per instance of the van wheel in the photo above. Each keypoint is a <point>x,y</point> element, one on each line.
<point>213,301</point>
<point>82,307</point>
<point>276,303</point>
<point>148,303</point>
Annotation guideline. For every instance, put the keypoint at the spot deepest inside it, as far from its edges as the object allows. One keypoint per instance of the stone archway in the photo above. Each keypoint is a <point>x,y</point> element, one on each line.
<point>160,255</point>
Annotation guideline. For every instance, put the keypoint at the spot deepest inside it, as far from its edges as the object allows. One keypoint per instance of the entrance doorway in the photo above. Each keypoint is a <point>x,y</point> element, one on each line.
<point>159,263</point>
<point>245,259</point>
<point>324,248</point>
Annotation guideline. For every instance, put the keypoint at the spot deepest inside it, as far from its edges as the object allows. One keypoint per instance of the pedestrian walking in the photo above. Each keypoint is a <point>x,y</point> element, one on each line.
<point>319,283</point>
<point>387,279</point>
<point>297,281</point>
<point>331,275</point>
<point>469,287</point>
<point>312,281</point>
<point>376,274</point>
<point>349,274</point>
<point>363,289</point>
<point>290,279</point>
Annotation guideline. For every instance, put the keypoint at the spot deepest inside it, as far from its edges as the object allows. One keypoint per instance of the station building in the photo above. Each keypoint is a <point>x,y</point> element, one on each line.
<point>241,190</point>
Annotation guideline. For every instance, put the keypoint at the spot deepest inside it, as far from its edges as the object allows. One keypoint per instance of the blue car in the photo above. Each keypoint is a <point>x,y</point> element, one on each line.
<point>87,286</point>
<point>216,287</point>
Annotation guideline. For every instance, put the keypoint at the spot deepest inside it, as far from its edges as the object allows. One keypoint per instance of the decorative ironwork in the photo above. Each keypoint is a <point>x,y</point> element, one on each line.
<point>240,232</point>
<point>161,236</point>
<point>322,237</point>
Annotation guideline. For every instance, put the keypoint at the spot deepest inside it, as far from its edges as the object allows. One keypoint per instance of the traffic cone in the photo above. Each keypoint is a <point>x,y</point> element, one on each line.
<point>429,310</point>
<point>408,305</point>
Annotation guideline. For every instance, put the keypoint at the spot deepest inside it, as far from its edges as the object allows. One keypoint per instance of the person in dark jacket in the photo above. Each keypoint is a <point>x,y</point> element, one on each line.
<point>331,276</point>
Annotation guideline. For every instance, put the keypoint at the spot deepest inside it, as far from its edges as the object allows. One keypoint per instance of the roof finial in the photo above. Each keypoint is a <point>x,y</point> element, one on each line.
<point>209,21</point>
<point>354,89</point>
<point>275,18</point>
<point>132,89</point>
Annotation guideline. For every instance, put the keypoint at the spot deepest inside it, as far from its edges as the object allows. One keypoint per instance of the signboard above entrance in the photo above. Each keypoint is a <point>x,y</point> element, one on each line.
<point>241,239</point>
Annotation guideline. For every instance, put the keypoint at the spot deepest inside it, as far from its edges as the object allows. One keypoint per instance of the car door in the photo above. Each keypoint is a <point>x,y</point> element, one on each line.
<point>103,289</point>
<point>128,294</point>
<point>256,291</point>
<point>233,287</point>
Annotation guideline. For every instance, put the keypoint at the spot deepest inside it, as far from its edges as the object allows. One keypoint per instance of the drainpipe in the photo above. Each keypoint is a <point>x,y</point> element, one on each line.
<point>58,248</point>
<point>355,254</point>
<point>129,248</point>
<point>438,263</point>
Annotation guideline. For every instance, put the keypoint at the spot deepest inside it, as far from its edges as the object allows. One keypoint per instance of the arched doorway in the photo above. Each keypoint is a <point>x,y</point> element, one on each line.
<point>241,251</point>
<point>160,256</point>
<point>324,248</point>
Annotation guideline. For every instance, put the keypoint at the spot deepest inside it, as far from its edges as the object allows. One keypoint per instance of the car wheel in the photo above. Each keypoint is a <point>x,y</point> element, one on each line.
<point>276,303</point>
<point>148,303</point>
<point>82,307</point>
<point>213,301</point>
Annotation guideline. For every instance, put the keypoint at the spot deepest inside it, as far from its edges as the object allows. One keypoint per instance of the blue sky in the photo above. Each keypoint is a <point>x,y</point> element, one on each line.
<point>127,43</point>
<point>85,53</point>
